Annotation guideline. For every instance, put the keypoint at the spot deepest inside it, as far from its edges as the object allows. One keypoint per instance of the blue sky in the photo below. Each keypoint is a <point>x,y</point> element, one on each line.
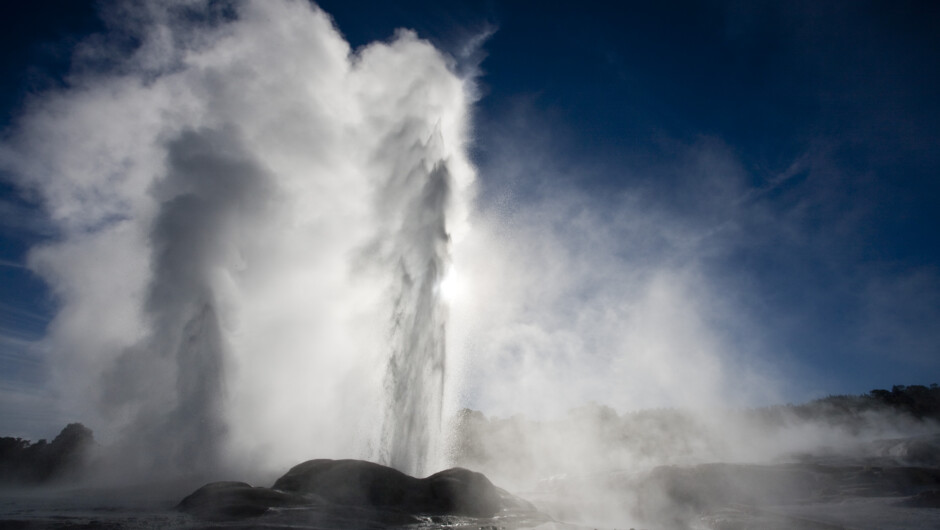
<point>793,148</point>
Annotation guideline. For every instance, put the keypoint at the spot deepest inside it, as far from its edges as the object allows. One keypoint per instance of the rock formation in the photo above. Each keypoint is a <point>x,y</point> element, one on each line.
<point>364,489</point>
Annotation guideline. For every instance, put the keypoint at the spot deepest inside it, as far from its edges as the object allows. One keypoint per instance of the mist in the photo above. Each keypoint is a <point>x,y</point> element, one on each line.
<point>252,220</point>
<point>268,246</point>
<point>620,378</point>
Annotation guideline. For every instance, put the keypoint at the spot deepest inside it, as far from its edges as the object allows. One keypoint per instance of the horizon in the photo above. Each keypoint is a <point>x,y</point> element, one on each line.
<point>595,405</point>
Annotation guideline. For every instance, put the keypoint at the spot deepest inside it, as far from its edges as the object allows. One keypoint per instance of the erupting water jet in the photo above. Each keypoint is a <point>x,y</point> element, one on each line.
<point>250,257</point>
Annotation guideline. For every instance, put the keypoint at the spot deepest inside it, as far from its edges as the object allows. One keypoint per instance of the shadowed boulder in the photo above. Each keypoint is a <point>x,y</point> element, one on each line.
<point>349,482</point>
<point>342,485</point>
<point>463,492</point>
<point>454,491</point>
<point>232,500</point>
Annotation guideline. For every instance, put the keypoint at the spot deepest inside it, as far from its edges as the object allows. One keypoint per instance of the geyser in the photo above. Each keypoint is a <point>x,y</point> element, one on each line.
<point>253,222</point>
<point>414,380</point>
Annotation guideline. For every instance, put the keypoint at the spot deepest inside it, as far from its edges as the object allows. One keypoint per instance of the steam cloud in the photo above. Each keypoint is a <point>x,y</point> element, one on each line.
<point>253,222</point>
<point>255,225</point>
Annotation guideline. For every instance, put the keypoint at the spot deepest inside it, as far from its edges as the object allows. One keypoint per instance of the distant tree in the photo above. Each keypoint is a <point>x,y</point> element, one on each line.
<point>917,400</point>
<point>41,462</point>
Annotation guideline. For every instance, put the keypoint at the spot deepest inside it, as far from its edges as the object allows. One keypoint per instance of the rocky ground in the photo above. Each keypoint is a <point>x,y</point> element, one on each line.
<point>802,495</point>
<point>327,494</point>
<point>825,491</point>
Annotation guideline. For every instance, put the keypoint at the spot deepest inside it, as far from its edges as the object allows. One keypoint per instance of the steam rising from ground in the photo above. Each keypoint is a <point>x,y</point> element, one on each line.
<point>263,255</point>
<point>257,226</point>
<point>253,221</point>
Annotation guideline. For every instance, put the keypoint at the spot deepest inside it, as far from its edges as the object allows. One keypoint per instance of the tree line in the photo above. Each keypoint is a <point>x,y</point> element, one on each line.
<point>25,462</point>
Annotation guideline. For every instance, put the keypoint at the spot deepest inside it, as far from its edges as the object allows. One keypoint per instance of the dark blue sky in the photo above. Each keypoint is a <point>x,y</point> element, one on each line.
<point>826,113</point>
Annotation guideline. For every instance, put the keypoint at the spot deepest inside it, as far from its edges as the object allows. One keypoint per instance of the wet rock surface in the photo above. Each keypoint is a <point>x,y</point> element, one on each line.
<point>356,490</point>
<point>228,500</point>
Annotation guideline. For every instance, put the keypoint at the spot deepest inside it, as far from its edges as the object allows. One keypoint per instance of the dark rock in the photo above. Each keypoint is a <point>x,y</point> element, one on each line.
<point>233,500</point>
<point>350,482</point>
<point>367,490</point>
<point>455,491</point>
<point>460,491</point>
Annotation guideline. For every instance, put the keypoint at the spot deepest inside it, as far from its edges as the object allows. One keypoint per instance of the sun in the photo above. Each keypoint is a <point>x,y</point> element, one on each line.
<point>452,286</point>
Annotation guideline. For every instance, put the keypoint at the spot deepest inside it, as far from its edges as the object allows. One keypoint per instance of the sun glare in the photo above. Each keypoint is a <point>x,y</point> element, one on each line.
<point>452,286</point>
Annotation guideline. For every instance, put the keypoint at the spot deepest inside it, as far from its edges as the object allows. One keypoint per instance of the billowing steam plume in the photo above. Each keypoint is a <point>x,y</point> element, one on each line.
<point>253,223</point>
